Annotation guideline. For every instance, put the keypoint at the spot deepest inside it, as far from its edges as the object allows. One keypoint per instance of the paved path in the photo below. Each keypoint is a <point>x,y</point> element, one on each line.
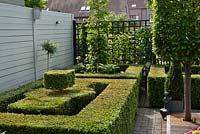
<point>149,121</point>
<point>178,126</point>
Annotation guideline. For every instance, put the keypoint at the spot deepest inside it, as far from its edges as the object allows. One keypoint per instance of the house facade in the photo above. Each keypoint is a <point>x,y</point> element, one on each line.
<point>134,9</point>
<point>137,9</point>
<point>13,2</point>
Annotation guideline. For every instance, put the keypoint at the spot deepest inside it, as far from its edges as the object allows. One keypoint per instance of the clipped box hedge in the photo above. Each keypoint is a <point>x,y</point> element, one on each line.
<point>43,101</point>
<point>59,79</point>
<point>195,91</point>
<point>156,80</point>
<point>69,102</point>
<point>155,86</point>
<point>131,72</point>
<point>112,112</point>
<point>13,95</point>
<point>195,69</point>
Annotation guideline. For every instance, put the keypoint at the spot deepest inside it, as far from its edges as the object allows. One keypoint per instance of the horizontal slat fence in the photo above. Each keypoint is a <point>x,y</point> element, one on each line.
<point>21,56</point>
<point>14,2</point>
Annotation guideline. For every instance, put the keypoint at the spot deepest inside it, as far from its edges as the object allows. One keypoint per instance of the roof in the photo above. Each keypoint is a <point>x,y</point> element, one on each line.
<point>67,6</point>
<point>74,6</point>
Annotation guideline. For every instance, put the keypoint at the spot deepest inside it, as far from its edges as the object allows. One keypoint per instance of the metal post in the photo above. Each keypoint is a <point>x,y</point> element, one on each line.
<point>74,40</point>
<point>34,46</point>
<point>168,125</point>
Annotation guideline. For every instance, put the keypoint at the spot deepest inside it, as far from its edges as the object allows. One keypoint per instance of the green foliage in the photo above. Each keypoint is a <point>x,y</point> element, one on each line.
<point>116,17</point>
<point>108,68</point>
<point>131,72</point>
<point>180,20</point>
<point>195,91</point>
<point>101,68</point>
<point>174,81</point>
<point>155,85</point>
<point>97,40</point>
<point>195,69</point>
<point>129,47</point>
<point>49,47</point>
<point>59,79</point>
<point>121,44</point>
<point>156,81</point>
<point>183,42</point>
<point>42,4</point>
<point>143,40</point>
<point>112,112</point>
<point>44,101</point>
<point>13,95</point>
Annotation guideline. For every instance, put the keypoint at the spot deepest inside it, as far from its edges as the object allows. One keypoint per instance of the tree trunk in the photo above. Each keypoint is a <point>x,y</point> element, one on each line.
<point>187,91</point>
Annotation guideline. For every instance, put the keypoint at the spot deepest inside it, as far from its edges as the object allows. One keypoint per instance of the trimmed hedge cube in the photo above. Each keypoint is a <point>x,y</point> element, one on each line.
<point>59,79</point>
<point>155,86</point>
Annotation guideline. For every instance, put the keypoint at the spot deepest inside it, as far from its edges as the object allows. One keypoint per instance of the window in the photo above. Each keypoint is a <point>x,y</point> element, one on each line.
<point>134,17</point>
<point>133,5</point>
<point>85,8</point>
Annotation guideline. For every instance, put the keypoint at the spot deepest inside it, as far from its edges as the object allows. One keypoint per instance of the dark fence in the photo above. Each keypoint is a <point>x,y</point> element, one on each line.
<point>132,51</point>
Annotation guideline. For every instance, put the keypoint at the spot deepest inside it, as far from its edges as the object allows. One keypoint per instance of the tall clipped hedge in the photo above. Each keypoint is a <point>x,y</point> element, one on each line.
<point>195,91</point>
<point>174,81</point>
<point>155,86</point>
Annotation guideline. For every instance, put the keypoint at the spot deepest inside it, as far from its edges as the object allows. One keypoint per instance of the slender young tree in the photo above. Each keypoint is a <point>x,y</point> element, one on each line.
<point>50,48</point>
<point>176,36</point>
<point>97,27</point>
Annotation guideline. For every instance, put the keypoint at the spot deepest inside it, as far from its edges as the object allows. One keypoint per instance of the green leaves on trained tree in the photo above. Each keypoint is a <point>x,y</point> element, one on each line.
<point>176,29</point>
<point>50,48</point>
<point>97,40</point>
<point>42,4</point>
<point>176,36</point>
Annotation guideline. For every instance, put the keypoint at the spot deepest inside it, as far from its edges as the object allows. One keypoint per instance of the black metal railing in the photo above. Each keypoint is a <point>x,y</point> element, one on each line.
<point>128,54</point>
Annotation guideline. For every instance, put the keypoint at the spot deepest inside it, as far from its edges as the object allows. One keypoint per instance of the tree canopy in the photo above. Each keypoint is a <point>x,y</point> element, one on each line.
<point>176,36</point>
<point>176,29</point>
<point>36,3</point>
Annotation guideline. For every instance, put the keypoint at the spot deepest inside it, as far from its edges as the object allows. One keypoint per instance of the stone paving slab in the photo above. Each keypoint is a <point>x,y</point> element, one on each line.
<point>149,121</point>
<point>178,126</point>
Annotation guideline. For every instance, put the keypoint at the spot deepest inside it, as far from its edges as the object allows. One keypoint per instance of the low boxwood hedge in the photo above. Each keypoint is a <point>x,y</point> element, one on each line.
<point>155,86</point>
<point>131,72</point>
<point>43,101</point>
<point>112,112</point>
<point>69,102</point>
<point>59,79</point>
<point>16,94</point>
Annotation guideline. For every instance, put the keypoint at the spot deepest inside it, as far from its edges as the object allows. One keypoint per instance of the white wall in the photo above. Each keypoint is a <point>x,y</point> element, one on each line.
<point>17,36</point>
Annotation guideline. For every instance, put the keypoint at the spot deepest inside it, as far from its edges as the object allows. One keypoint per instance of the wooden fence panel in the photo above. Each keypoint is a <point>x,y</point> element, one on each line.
<point>19,33</point>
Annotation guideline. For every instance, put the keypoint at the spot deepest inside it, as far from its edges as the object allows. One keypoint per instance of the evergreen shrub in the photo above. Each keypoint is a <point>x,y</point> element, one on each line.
<point>59,79</point>
<point>174,81</point>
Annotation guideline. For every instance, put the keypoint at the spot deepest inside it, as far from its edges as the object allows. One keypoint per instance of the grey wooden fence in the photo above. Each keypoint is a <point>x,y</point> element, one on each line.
<point>21,57</point>
<point>14,2</point>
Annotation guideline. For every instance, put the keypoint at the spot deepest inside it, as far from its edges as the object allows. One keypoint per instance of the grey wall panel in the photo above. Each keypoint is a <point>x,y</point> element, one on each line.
<point>16,44</point>
<point>14,2</point>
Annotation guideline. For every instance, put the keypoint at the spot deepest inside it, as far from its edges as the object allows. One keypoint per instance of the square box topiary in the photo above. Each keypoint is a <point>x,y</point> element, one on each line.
<point>59,79</point>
